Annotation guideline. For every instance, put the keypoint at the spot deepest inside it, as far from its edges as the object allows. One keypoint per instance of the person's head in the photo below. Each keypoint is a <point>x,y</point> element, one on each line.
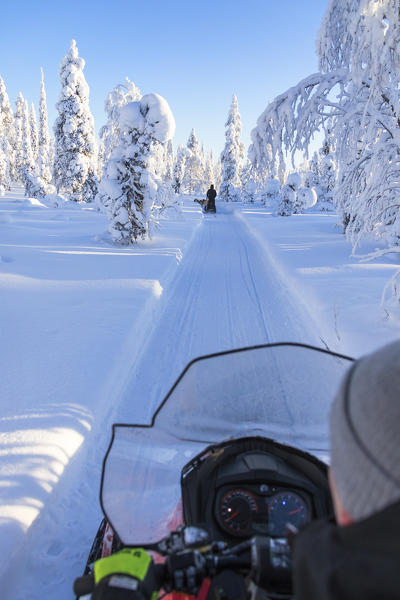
<point>365,437</point>
<point>212,186</point>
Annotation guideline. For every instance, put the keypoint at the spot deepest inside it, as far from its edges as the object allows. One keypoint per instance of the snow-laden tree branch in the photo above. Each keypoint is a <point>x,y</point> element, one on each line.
<point>290,121</point>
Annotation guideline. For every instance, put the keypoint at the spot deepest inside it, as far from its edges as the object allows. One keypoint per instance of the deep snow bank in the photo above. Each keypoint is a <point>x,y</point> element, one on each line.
<point>313,259</point>
<point>75,311</point>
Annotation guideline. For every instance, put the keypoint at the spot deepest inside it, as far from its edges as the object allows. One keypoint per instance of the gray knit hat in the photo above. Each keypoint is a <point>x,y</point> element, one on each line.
<point>365,433</point>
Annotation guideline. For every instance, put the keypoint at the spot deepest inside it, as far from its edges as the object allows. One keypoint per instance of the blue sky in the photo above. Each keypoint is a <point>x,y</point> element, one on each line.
<point>195,54</point>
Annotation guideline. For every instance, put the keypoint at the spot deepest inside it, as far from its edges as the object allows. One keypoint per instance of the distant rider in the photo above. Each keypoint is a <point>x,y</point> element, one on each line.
<point>359,556</point>
<point>211,195</point>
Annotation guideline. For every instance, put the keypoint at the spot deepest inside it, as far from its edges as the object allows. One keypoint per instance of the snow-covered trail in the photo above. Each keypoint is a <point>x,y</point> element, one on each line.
<point>225,294</point>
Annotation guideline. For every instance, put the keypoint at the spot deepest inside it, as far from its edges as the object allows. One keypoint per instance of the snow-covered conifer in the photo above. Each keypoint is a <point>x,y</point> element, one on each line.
<point>249,191</point>
<point>193,179</point>
<point>109,133</point>
<point>24,160</point>
<point>179,169</point>
<point>209,171</point>
<point>4,166</point>
<point>44,161</point>
<point>75,151</point>
<point>294,181</point>
<point>34,133</point>
<point>7,127</point>
<point>128,182</point>
<point>168,161</point>
<point>287,201</point>
<point>6,115</point>
<point>232,155</point>
<point>218,173</point>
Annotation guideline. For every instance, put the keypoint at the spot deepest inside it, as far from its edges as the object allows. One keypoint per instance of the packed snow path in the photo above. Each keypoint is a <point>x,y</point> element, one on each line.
<point>225,294</point>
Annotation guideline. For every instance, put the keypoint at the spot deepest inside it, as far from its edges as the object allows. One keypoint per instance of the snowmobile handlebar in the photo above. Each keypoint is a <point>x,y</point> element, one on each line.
<point>265,560</point>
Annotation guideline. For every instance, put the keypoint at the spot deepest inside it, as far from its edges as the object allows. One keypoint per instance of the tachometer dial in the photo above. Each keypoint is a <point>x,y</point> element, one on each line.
<point>284,508</point>
<point>235,511</point>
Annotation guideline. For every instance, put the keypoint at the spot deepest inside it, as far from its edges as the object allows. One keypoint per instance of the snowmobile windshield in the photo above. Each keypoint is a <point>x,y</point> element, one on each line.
<point>278,391</point>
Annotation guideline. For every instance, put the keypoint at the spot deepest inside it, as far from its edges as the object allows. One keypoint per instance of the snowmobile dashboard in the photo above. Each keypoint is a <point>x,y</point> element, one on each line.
<point>254,486</point>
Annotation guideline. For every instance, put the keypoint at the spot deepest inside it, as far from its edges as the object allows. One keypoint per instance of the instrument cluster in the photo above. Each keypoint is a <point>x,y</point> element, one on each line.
<point>260,509</point>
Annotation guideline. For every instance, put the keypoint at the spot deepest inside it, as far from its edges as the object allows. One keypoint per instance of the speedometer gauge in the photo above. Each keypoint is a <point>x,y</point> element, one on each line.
<point>235,511</point>
<point>284,508</point>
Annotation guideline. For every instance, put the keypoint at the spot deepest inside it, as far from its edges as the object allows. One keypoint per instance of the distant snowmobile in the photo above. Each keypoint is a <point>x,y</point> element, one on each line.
<point>204,203</point>
<point>229,465</point>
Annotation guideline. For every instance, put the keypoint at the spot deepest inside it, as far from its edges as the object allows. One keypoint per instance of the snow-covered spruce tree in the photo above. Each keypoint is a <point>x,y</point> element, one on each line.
<point>179,169</point>
<point>75,147</point>
<point>127,179</point>
<point>7,127</point>
<point>4,183</point>
<point>109,133</point>
<point>168,161</point>
<point>34,133</point>
<point>159,167</point>
<point>24,159</point>
<point>209,171</point>
<point>38,181</point>
<point>218,173</point>
<point>232,155</point>
<point>44,162</point>
<point>287,199</point>
<point>193,178</point>
<point>249,191</point>
<point>4,167</point>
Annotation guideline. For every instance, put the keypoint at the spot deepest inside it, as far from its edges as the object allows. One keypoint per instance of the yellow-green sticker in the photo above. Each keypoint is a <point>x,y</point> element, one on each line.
<point>129,561</point>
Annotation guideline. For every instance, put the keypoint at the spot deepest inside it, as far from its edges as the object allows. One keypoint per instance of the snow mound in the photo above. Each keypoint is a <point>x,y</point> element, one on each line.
<point>151,111</point>
<point>307,196</point>
<point>130,117</point>
<point>159,115</point>
<point>294,180</point>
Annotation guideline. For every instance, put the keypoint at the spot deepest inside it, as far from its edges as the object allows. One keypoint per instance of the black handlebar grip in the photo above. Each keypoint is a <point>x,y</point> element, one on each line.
<point>83,585</point>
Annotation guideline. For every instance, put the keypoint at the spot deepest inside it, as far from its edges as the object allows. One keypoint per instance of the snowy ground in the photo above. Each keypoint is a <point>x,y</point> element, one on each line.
<point>93,334</point>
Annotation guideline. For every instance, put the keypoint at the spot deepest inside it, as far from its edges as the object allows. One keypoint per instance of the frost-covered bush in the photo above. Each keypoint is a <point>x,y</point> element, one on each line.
<point>75,151</point>
<point>249,191</point>
<point>287,200</point>
<point>36,187</point>
<point>271,194</point>
<point>166,200</point>
<point>128,187</point>
<point>306,198</point>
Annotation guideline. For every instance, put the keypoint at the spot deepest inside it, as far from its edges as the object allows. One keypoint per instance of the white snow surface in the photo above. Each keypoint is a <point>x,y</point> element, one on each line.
<point>93,334</point>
